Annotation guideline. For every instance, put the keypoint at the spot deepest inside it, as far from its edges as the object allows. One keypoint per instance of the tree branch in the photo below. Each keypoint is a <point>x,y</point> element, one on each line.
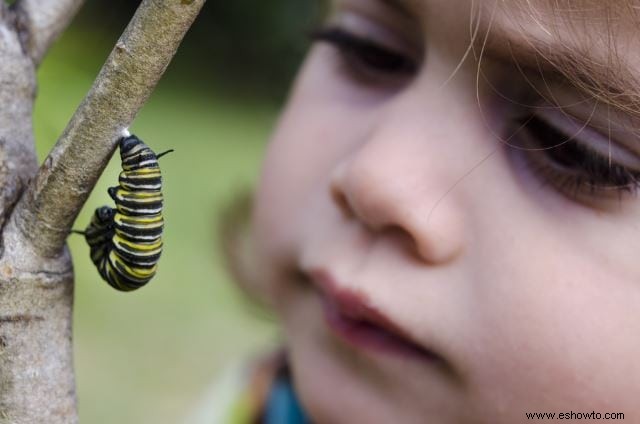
<point>53,199</point>
<point>42,21</point>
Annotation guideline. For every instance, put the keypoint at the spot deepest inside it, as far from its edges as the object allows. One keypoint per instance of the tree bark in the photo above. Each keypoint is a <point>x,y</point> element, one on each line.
<point>41,22</point>
<point>38,206</point>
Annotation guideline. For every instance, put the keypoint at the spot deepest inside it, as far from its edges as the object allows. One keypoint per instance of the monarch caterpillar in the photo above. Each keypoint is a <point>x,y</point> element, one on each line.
<point>126,241</point>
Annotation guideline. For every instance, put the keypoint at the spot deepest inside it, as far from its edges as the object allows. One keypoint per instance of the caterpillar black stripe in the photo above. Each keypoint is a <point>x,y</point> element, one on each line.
<point>126,241</point>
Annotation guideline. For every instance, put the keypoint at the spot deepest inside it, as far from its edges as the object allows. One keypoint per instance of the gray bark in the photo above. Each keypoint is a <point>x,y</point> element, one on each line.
<point>38,206</point>
<point>40,22</point>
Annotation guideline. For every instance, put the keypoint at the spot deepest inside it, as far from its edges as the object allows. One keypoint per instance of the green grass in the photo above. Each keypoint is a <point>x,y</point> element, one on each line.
<point>147,356</point>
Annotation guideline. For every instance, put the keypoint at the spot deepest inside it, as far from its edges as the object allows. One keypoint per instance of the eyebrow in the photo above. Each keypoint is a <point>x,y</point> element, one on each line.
<point>613,82</point>
<point>400,6</point>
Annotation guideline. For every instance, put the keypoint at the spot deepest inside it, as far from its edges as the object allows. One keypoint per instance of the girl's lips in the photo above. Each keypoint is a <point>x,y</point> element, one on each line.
<point>360,324</point>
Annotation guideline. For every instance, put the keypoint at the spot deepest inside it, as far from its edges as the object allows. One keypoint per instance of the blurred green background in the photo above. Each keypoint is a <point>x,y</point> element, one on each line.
<point>148,356</point>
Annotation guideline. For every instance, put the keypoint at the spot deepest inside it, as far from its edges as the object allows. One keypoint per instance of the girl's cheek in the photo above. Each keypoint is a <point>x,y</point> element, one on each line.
<point>550,309</point>
<point>313,132</point>
<point>551,348</point>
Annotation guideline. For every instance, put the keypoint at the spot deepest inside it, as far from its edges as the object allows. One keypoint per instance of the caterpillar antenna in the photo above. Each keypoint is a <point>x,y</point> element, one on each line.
<point>159,155</point>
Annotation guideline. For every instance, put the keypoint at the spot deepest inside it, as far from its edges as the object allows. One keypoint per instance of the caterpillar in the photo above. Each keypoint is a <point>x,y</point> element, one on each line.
<point>126,241</point>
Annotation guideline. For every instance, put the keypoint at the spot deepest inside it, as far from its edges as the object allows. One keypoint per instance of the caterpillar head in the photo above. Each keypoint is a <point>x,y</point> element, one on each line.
<point>104,213</point>
<point>128,143</point>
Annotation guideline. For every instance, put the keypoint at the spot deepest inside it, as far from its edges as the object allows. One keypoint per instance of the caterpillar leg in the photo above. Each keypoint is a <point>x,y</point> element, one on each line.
<point>99,233</point>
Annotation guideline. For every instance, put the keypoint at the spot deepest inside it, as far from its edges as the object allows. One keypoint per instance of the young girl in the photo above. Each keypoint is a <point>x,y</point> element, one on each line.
<point>446,222</point>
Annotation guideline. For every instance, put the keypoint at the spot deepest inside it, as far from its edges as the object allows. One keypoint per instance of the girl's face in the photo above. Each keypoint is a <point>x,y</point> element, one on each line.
<point>446,224</point>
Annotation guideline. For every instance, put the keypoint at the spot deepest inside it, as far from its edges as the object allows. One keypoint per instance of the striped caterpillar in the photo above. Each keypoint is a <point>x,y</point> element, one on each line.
<point>126,241</point>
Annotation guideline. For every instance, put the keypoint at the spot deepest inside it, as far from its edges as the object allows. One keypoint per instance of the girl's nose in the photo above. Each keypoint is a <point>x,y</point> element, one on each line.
<point>388,185</point>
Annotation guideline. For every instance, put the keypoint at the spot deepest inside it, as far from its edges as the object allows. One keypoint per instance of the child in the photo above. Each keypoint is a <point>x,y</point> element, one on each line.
<point>446,222</point>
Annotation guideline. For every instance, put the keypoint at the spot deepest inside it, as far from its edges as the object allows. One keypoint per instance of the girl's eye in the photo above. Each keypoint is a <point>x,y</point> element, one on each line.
<point>586,171</point>
<point>366,58</point>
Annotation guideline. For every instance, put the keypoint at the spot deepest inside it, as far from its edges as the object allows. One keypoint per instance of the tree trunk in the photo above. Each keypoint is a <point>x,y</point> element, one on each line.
<point>38,206</point>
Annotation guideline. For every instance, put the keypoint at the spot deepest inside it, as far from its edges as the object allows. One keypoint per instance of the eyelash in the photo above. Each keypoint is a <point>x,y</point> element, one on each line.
<point>568,164</point>
<point>572,166</point>
<point>365,58</point>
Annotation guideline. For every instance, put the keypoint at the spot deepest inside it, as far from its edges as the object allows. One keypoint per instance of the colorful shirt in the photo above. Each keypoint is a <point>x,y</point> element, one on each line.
<point>260,393</point>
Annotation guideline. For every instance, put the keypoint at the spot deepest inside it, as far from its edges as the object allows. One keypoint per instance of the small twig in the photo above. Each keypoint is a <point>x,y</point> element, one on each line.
<point>52,201</point>
<point>42,21</point>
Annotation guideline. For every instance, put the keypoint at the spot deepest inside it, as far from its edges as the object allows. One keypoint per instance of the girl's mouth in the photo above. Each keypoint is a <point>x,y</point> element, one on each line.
<point>361,325</point>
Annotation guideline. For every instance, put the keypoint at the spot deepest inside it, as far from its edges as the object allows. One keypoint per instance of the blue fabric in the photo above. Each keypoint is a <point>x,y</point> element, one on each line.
<point>283,406</point>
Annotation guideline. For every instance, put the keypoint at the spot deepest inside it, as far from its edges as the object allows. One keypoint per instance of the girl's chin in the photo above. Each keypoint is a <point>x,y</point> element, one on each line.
<point>339,385</point>
<point>329,394</point>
